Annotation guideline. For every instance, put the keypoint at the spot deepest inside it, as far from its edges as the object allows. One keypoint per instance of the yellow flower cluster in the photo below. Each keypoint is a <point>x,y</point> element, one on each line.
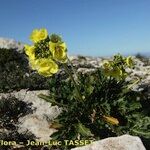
<point>46,52</point>
<point>117,67</point>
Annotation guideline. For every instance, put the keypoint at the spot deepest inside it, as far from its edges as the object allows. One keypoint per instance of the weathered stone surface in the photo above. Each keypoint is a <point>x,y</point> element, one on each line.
<point>38,123</point>
<point>10,44</point>
<point>124,142</point>
<point>141,72</point>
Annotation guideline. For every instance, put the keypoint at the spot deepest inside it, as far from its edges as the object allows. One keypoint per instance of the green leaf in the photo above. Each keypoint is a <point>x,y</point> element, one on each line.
<point>49,99</point>
<point>56,135</point>
<point>135,105</point>
<point>83,130</point>
<point>90,89</point>
<point>141,133</point>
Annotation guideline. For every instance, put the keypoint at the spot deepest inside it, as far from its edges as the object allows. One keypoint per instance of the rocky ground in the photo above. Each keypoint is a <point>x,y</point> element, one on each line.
<point>38,122</point>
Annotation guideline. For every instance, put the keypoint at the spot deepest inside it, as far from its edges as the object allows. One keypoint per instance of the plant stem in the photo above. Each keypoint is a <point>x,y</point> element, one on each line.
<point>48,99</point>
<point>72,68</point>
<point>141,133</point>
<point>74,82</point>
<point>134,83</point>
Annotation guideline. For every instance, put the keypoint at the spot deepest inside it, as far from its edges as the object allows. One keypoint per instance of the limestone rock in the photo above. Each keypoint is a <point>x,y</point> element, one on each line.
<point>38,122</point>
<point>10,44</point>
<point>124,142</point>
<point>140,71</point>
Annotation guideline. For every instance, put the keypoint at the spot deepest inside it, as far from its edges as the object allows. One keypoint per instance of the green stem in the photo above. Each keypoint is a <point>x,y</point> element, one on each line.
<point>48,99</point>
<point>134,83</point>
<point>141,133</point>
<point>74,82</point>
<point>72,67</point>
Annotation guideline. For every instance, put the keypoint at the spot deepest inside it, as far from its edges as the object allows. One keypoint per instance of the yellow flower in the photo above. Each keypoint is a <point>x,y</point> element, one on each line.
<point>129,61</point>
<point>59,51</point>
<point>38,35</point>
<point>44,66</point>
<point>111,120</point>
<point>30,51</point>
<point>106,65</point>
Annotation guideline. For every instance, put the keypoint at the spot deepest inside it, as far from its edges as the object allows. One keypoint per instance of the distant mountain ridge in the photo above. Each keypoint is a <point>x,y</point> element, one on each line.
<point>9,43</point>
<point>146,54</point>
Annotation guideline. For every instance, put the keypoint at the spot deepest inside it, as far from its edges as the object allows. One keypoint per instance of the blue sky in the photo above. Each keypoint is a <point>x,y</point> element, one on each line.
<point>89,27</point>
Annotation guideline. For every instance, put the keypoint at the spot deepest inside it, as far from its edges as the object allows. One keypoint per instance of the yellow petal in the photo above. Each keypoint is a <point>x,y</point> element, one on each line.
<point>30,51</point>
<point>129,61</point>
<point>111,120</point>
<point>106,65</point>
<point>43,34</point>
<point>58,51</point>
<point>46,67</point>
<point>63,45</point>
<point>45,74</point>
<point>33,36</point>
<point>52,46</point>
<point>33,64</point>
<point>38,35</point>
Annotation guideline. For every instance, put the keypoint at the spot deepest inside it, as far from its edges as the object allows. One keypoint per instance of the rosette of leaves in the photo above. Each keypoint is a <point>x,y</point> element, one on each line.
<point>102,97</point>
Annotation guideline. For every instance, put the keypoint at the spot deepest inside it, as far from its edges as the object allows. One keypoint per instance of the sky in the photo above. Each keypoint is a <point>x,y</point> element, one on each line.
<point>89,27</point>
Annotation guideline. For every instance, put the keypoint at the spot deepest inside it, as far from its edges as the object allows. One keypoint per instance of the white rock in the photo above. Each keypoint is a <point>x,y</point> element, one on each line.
<point>124,142</point>
<point>10,44</point>
<point>39,122</point>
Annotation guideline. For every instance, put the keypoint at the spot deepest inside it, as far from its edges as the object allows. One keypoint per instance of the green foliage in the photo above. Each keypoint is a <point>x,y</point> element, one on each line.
<point>84,119</point>
<point>116,68</point>
<point>15,73</point>
<point>102,96</point>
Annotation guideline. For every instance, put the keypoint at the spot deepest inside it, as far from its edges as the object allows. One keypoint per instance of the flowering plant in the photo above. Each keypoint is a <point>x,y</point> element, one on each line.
<point>94,105</point>
<point>46,52</point>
